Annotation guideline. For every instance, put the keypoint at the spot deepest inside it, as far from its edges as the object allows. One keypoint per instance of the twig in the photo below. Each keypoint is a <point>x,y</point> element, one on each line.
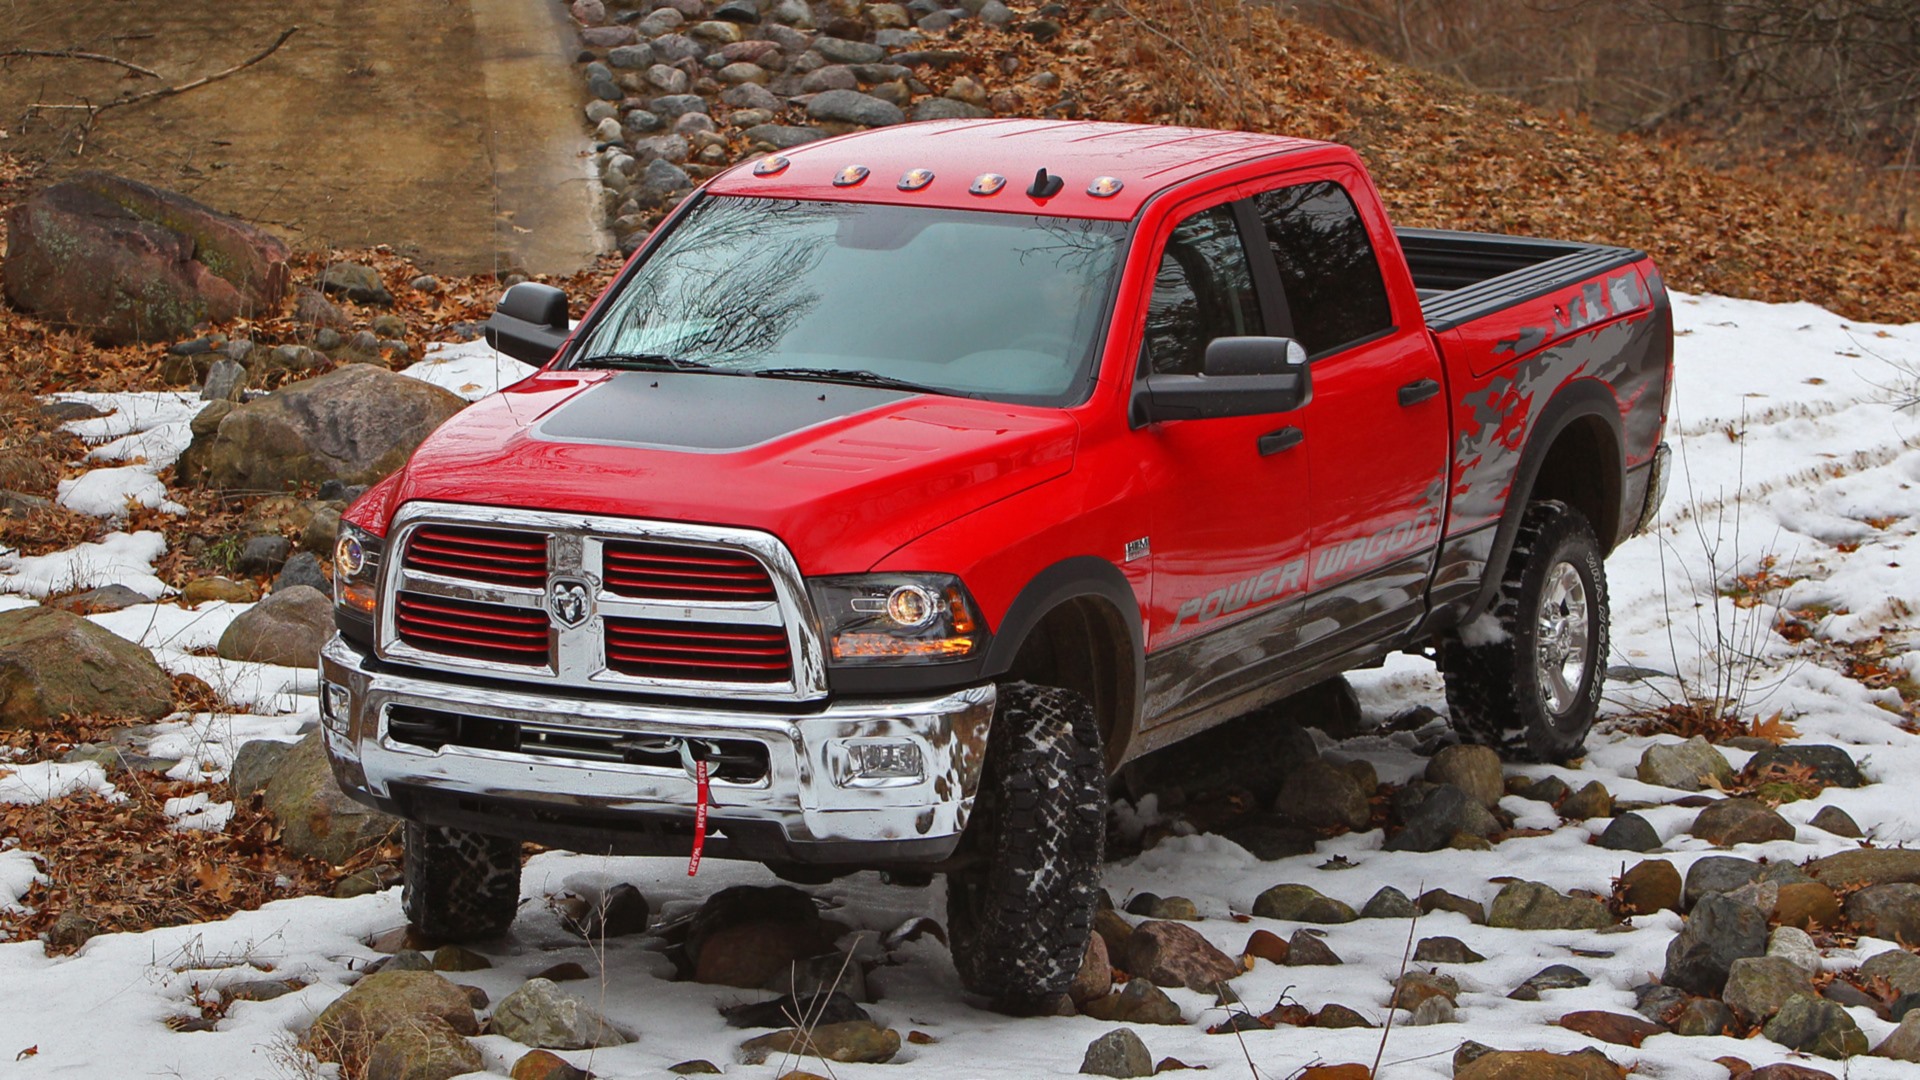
<point>1392,1002</point>
<point>169,91</point>
<point>75,54</point>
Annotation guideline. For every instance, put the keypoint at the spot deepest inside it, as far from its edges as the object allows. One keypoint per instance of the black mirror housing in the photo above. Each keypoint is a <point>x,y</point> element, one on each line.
<point>530,324</point>
<point>1244,376</point>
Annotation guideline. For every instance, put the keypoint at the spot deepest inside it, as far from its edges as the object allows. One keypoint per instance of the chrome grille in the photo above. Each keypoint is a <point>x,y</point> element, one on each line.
<point>572,600</point>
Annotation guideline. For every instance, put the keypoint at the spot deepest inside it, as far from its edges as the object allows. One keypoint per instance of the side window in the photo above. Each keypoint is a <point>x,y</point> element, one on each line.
<point>1327,266</point>
<point>1204,290</point>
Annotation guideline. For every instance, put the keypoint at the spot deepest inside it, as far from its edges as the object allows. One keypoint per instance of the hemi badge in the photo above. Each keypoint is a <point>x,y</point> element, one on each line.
<point>1137,549</point>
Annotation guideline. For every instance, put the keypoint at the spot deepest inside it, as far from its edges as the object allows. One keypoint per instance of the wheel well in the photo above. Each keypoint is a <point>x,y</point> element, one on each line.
<point>1582,469</point>
<point>1082,645</point>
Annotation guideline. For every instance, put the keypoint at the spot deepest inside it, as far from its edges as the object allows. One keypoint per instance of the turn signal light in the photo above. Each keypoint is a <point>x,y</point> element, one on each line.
<point>852,646</point>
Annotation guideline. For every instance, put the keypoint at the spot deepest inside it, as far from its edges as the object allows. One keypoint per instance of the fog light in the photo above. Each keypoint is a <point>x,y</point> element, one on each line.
<point>880,763</point>
<point>336,705</point>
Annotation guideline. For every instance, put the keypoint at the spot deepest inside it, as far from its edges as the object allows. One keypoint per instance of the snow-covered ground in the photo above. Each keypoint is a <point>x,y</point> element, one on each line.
<point>1785,447</point>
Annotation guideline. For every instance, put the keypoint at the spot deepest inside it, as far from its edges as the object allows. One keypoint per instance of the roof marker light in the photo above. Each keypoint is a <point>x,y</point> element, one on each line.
<point>770,166</point>
<point>987,183</point>
<point>850,176</point>
<point>1105,187</point>
<point>915,179</point>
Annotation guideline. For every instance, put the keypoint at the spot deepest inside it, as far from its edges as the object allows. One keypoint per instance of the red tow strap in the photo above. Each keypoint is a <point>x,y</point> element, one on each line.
<point>699,816</point>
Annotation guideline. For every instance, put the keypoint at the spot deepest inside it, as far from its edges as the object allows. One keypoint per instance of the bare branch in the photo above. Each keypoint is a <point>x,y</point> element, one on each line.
<point>169,91</point>
<point>76,54</point>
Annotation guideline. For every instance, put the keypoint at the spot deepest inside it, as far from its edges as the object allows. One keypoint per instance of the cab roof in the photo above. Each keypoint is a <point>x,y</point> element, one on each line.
<point>1145,159</point>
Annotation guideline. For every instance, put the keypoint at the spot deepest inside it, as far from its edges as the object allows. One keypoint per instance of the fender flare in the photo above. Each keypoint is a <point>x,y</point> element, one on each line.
<point>1069,579</point>
<point>1576,401</point>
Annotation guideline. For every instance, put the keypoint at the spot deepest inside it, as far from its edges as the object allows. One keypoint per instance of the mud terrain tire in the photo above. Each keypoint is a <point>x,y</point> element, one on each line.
<point>1532,694</point>
<point>460,885</point>
<point>1020,914</point>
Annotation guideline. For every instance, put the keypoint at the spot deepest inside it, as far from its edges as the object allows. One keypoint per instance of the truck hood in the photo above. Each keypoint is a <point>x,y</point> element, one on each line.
<point>842,474</point>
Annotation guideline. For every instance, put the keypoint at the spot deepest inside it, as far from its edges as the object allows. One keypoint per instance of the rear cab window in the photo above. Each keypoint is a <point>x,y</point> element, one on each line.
<point>1335,295</point>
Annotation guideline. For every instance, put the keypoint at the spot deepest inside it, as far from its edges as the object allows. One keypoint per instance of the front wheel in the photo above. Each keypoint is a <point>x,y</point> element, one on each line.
<point>1529,683</point>
<point>1022,908</point>
<point>460,885</point>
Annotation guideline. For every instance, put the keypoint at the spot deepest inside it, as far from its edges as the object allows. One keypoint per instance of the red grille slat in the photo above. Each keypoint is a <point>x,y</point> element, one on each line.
<point>689,650</point>
<point>493,556</point>
<point>472,630</point>
<point>657,571</point>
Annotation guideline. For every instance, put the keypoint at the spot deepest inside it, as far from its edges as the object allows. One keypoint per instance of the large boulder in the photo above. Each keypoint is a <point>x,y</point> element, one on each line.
<point>287,628</point>
<point>54,663</point>
<point>542,1015</point>
<point>354,425</point>
<point>390,1003</point>
<point>131,262</point>
<point>316,819</point>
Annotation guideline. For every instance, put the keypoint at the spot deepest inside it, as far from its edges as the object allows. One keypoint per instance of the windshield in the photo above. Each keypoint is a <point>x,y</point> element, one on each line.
<point>998,306</point>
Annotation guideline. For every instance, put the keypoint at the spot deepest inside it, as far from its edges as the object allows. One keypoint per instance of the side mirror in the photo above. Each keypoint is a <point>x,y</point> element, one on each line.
<point>530,324</point>
<point>1243,376</point>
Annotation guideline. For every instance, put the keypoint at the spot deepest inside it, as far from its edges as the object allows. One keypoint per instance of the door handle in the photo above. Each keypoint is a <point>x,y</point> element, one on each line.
<point>1416,392</point>
<point>1273,442</point>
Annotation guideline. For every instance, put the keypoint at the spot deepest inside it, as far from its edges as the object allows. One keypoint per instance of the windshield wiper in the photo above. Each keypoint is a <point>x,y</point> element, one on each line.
<point>642,362</point>
<point>847,375</point>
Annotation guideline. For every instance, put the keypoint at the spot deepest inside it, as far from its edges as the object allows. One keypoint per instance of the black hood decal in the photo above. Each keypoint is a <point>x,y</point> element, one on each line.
<point>703,413</point>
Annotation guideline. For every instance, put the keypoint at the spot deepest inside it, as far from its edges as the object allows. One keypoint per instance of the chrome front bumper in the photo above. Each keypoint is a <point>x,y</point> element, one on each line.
<point>807,808</point>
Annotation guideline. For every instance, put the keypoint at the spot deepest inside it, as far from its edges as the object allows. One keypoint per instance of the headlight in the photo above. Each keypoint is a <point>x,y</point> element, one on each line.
<point>356,570</point>
<point>896,618</point>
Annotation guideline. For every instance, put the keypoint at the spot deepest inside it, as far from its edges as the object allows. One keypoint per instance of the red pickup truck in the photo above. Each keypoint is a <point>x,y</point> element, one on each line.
<point>908,483</point>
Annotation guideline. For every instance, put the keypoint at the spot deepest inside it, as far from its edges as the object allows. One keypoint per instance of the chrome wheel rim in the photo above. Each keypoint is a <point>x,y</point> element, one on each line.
<point>1561,637</point>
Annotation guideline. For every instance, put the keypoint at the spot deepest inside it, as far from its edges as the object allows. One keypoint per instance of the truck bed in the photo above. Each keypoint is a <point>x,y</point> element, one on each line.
<point>1462,276</point>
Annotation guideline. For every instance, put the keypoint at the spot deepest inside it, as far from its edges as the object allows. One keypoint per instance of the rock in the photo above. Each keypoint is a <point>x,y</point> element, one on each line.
<point>1434,1010</point>
<point>354,425</point>
<point>936,108</point>
<point>1620,1029</point>
<point>1554,977</point>
<point>1757,986</point>
<point>254,764</point>
<point>782,136</point>
<point>226,381</point>
<point>1171,954</point>
<point>1868,866</point>
<point>206,590</point>
<point>130,262</point>
<point>1434,815</point>
<point>1591,801</point>
<point>1117,1053</point>
<point>1816,1026</point>
<point>1687,766</point>
<point>1266,945</point>
<point>1112,929</point>
<point>73,928</point>
<point>312,308</point>
<point>1441,900</point>
<point>1473,769</point>
<point>855,1040</point>
<point>1529,905</point>
<point>1831,765</point>
<point>1629,832</point>
<point>1095,978</point>
<point>321,531</point>
<point>540,1014</point>
<point>569,971</point>
<point>263,555</point>
<point>1717,874</point>
<point>357,282</point>
<point>303,569</point>
<point>1702,1018</point>
<point>95,601</point>
<point>853,107</point>
<point>1904,1043</point>
<point>1807,906</point>
<point>747,935</point>
<point>425,1050</point>
<point>316,819</point>
<point>1718,932</point>
<point>1657,1002</point>
<point>1307,950</point>
<point>785,1011</point>
<point>1445,950</point>
<point>1175,907</point>
<point>1651,885</point>
<point>118,759</point>
<point>54,663</point>
<point>1320,795</point>
<point>1414,987</point>
<point>1389,903</point>
<point>699,1067</point>
<point>287,628</point>
<point>1795,945</point>
<point>839,51</point>
<point>546,1065</point>
<point>350,1029</point>
<point>1586,1064</point>
<point>1301,903</point>
<point>259,990</point>
<point>1549,790</point>
<point>1836,821</point>
<point>1887,911</point>
<point>455,958</point>
<point>1339,1016</point>
<point>1268,840</point>
<point>1900,968</point>
<point>1740,821</point>
<point>1139,1002</point>
<point>1785,1071</point>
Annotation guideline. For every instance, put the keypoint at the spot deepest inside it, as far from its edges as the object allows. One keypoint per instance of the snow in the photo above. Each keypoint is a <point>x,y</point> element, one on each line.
<point>119,558</point>
<point>1785,446</point>
<point>43,781</point>
<point>109,492</point>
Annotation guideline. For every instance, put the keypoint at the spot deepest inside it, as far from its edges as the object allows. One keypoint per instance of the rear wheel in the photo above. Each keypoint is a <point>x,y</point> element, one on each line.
<point>1529,684</point>
<point>1022,908</point>
<point>460,885</point>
